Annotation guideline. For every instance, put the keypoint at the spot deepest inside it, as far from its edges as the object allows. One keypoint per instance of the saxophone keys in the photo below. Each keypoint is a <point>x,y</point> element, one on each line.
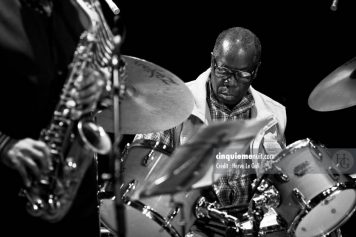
<point>71,165</point>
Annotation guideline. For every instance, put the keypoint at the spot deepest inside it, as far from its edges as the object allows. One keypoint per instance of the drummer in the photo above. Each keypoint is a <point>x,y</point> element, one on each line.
<point>223,93</point>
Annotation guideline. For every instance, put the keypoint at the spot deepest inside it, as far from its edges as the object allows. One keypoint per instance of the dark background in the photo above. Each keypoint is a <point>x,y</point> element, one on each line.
<point>302,43</point>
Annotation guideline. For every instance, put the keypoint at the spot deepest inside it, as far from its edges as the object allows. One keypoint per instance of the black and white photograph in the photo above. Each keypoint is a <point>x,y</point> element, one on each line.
<point>177,118</point>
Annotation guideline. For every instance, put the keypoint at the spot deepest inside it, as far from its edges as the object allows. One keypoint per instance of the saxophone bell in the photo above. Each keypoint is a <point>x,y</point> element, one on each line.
<point>94,137</point>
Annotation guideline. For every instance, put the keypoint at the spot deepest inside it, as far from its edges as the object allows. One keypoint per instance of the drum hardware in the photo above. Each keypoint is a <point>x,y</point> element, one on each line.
<point>173,213</point>
<point>255,222</point>
<point>129,187</point>
<point>260,204</point>
<point>269,198</point>
<point>205,209</point>
<point>106,190</point>
<point>256,215</point>
<point>319,155</point>
<point>333,173</point>
<point>278,173</point>
<point>148,157</point>
<point>176,209</point>
<point>260,184</point>
<point>301,200</point>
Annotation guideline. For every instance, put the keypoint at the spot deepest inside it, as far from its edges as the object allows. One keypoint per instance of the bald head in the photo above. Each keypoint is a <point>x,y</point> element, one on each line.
<point>236,43</point>
<point>236,53</point>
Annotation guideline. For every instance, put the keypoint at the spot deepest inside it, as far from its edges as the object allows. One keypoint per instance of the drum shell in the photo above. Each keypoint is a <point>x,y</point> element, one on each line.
<point>141,161</point>
<point>310,170</point>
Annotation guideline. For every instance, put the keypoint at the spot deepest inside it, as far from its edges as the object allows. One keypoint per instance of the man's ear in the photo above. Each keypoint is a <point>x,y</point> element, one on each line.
<point>211,59</point>
<point>256,70</point>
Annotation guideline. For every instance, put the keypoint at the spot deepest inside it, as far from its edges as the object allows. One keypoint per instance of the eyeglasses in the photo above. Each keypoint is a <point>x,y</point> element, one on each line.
<point>224,72</point>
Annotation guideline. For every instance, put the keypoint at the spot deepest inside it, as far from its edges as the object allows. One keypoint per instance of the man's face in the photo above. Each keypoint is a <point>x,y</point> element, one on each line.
<point>231,75</point>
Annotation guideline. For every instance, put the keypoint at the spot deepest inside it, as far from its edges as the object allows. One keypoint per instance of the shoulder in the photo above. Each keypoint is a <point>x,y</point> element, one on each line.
<point>200,81</point>
<point>268,101</point>
<point>268,105</point>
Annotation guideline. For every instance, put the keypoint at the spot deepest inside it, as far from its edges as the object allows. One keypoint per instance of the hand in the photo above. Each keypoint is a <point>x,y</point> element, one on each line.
<point>90,88</point>
<point>30,158</point>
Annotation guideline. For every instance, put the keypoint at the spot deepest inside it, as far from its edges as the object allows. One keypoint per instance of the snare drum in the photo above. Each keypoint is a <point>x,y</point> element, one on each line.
<point>316,198</point>
<point>163,215</point>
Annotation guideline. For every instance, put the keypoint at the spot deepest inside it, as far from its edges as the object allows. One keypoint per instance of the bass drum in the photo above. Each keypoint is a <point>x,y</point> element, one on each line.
<point>163,215</point>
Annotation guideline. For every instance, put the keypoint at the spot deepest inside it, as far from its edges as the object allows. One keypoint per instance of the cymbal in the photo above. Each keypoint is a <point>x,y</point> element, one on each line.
<point>192,165</point>
<point>156,100</point>
<point>336,91</point>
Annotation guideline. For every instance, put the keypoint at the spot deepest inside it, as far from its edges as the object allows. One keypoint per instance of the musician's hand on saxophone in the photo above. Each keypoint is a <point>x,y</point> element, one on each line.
<point>29,157</point>
<point>90,89</point>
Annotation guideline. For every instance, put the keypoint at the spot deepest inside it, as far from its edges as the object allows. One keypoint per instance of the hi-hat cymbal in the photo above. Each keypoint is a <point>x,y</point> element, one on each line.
<point>336,91</point>
<point>156,100</point>
<point>192,165</point>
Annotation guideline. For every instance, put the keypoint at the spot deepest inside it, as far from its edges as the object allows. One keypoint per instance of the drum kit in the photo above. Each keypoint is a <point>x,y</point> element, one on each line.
<point>302,193</point>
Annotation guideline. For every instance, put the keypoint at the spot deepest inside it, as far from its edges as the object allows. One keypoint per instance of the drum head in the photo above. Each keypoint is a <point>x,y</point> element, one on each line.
<point>328,215</point>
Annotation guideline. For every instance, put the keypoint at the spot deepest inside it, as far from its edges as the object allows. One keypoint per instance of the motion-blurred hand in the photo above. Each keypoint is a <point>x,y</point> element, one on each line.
<point>30,158</point>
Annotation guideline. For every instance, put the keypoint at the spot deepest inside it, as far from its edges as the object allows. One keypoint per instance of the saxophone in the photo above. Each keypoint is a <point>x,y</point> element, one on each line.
<point>51,196</point>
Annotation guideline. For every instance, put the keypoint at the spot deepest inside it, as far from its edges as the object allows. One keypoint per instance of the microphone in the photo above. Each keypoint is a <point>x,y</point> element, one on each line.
<point>333,6</point>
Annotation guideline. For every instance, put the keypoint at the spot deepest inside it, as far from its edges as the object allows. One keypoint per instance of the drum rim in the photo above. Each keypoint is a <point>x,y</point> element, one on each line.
<point>156,217</point>
<point>152,144</point>
<point>144,210</point>
<point>293,147</point>
<point>316,201</point>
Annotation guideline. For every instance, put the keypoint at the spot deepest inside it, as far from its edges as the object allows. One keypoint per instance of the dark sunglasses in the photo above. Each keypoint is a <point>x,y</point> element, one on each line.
<point>224,72</point>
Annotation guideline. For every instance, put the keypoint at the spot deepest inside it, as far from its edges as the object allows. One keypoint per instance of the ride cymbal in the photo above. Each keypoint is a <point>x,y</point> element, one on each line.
<point>156,100</point>
<point>336,91</point>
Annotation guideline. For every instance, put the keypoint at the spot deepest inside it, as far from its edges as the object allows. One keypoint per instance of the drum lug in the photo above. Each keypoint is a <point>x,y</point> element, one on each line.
<point>333,173</point>
<point>319,155</point>
<point>301,199</point>
<point>148,157</point>
<point>280,175</point>
<point>125,152</point>
<point>129,187</point>
<point>177,207</point>
<point>173,213</point>
<point>205,209</point>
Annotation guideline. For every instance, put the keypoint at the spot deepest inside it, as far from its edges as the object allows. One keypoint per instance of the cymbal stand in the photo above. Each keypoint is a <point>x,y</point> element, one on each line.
<point>268,196</point>
<point>119,88</point>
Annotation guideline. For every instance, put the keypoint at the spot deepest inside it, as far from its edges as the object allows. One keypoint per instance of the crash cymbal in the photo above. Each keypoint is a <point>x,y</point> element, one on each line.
<point>336,91</point>
<point>192,165</point>
<point>156,100</point>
